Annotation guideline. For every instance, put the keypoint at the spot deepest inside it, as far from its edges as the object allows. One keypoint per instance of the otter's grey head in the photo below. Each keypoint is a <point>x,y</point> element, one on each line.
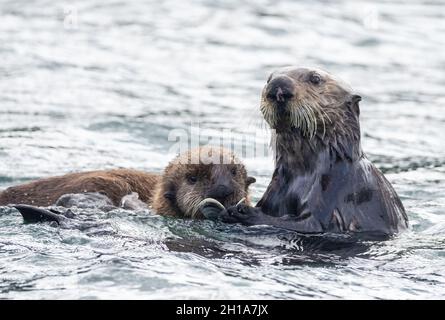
<point>309,100</point>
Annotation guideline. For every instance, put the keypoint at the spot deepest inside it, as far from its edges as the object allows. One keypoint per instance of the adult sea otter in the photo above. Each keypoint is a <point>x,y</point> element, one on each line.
<point>322,180</point>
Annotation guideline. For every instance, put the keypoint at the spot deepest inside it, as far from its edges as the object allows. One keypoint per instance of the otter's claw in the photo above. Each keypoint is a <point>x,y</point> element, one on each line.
<point>241,201</point>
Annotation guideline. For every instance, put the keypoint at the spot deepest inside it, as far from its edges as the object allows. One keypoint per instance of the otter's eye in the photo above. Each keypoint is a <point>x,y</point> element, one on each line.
<point>233,171</point>
<point>192,179</point>
<point>315,78</point>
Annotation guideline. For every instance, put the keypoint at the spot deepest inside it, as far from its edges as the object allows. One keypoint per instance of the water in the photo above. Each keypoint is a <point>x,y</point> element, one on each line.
<point>100,84</point>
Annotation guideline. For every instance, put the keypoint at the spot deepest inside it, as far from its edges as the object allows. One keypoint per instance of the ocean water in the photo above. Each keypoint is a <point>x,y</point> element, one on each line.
<point>101,84</point>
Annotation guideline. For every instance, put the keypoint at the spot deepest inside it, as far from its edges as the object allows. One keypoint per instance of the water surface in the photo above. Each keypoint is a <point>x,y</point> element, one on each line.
<point>100,84</point>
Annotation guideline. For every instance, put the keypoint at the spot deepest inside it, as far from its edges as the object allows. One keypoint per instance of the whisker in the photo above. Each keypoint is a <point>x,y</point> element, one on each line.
<point>313,120</point>
<point>308,124</point>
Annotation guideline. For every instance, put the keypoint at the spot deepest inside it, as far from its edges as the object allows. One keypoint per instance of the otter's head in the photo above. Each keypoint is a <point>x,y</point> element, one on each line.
<point>309,101</point>
<point>206,172</point>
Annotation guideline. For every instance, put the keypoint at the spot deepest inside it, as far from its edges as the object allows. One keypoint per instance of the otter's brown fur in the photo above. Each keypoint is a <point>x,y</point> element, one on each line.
<point>218,173</point>
<point>178,194</point>
<point>115,184</point>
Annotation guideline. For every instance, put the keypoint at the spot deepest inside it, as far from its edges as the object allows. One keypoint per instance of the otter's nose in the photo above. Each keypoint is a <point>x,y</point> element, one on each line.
<point>280,90</point>
<point>220,192</point>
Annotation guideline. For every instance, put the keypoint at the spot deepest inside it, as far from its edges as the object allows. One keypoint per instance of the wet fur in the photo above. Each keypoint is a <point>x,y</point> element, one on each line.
<point>168,194</point>
<point>115,184</point>
<point>176,196</point>
<point>335,190</point>
<point>322,180</point>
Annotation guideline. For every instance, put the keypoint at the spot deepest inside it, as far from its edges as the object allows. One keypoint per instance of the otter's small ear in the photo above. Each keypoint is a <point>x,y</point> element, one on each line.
<point>250,180</point>
<point>355,99</point>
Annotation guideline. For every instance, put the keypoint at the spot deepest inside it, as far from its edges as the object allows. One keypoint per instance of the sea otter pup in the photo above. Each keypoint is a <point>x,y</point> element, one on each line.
<point>197,175</point>
<point>322,180</point>
<point>206,172</point>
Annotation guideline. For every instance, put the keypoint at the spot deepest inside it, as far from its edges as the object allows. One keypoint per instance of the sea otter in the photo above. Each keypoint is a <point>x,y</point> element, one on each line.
<point>322,182</point>
<point>205,172</point>
<point>199,174</point>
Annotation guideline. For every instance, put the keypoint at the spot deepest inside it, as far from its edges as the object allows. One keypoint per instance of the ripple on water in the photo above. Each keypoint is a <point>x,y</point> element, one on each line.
<point>107,92</point>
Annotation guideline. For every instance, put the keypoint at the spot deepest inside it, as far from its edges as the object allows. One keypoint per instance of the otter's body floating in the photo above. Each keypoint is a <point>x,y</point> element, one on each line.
<point>322,181</point>
<point>205,172</point>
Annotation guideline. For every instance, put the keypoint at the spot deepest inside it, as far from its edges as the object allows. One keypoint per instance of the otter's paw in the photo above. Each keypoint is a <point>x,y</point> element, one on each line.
<point>240,214</point>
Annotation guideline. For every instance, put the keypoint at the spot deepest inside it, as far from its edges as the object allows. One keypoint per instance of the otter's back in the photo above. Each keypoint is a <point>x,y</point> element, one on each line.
<point>113,183</point>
